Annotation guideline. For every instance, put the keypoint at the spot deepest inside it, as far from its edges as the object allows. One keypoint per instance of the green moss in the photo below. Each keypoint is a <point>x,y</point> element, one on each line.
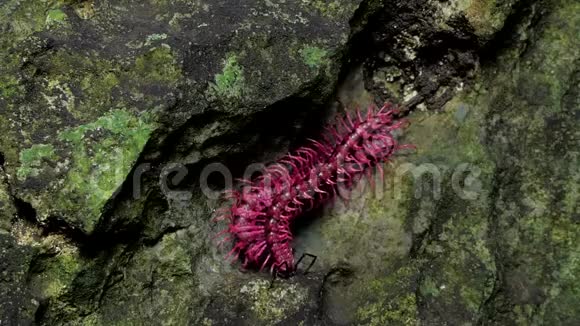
<point>9,59</point>
<point>314,57</point>
<point>273,305</point>
<point>9,86</point>
<point>88,87</point>
<point>100,163</point>
<point>55,17</point>
<point>58,274</point>
<point>32,159</point>
<point>230,83</point>
<point>429,288</point>
<point>92,320</point>
<point>171,254</point>
<point>393,300</point>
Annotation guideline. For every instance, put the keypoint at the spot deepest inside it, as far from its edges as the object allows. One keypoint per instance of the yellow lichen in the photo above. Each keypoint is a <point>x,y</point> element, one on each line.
<point>272,305</point>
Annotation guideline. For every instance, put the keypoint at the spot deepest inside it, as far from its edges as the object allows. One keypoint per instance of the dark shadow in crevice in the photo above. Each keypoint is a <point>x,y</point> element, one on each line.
<point>24,210</point>
<point>89,244</point>
<point>307,219</point>
<point>282,127</point>
<point>41,311</point>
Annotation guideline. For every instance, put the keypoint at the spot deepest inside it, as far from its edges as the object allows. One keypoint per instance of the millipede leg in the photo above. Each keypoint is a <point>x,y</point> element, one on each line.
<point>276,274</point>
<point>273,278</point>
<point>309,266</point>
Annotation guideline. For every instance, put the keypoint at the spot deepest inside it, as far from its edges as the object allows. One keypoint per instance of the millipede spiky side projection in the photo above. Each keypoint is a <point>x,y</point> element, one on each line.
<point>263,209</point>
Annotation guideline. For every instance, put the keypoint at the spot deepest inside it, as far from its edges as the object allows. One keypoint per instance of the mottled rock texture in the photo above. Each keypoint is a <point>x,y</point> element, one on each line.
<point>87,84</point>
<point>100,98</point>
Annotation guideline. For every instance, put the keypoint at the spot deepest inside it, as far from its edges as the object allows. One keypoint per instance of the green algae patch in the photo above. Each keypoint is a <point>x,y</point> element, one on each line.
<point>55,17</point>
<point>273,305</point>
<point>393,299</point>
<point>314,57</point>
<point>32,160</point>
<point>97,90</point>
<point>103,153</point>
<point>77,107</point>
<point>229,84</point>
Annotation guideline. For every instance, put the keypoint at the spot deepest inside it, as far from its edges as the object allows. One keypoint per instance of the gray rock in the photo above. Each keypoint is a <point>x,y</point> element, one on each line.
<point>17,304</point>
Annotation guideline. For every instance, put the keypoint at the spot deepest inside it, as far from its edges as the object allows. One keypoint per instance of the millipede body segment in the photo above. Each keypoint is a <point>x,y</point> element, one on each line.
<point>263,209</point>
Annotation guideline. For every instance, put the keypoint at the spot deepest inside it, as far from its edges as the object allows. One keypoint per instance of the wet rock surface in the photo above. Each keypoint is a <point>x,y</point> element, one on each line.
<point>477,226</point>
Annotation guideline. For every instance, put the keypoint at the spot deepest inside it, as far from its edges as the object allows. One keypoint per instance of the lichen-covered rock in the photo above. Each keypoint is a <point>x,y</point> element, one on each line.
<point>485,17</point>
<point>477,226</point>
<point>494,240</point>
<point>85,85</point>
<point>533,137</point>
<point>158,284</point>
<point>258,301</point>
<point>17,304</point>
<point>7,209</point>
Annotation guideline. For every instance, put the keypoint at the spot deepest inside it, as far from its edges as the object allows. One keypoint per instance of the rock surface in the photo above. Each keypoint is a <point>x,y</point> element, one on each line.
<point>17,304</point>
<point>100,98</point>
<point>89,83</point>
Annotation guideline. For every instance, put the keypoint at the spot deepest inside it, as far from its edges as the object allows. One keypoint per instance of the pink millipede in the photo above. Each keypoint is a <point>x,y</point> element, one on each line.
<point>263,209</point>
